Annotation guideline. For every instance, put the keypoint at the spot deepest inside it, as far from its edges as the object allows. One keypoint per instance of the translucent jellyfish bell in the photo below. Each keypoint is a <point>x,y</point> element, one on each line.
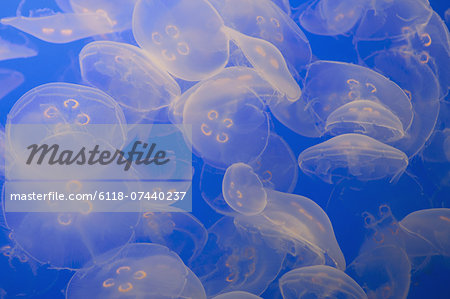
<point>9,80</point>
<point>353,156</point>
<point>325,92</point>
<point>332,17</point>
<point>319,282</point>
<point>129,76</point>
<point>243,190</point>
<point>365,117</point>
<point>169,32</point>
<point>10,50</point>
<point>2,152</point>
<point>237,295</point>
<point>138,271</point>
<point>228,122</point>
<point>392,268</point>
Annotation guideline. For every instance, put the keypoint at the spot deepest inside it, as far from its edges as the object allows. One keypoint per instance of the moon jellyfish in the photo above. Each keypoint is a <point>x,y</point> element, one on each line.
<point>236,260</point>
<point>128,75</point>
<point>353,156</point>
<point>237,295</point>
<point>392,268</point>
<point>243,190</point>
<point>10,50</point>
<point>365,117</point>
<point>332,17</point>
<point>9,80</point>
<point>228,122</point>
<point>325,92</point>
<point>180,232</point>
<point>298,226</point>
<point>277,166</point>
<point>168,31</point>
<point>264,19</point>
<point>62,27</point>
<point>138,271</point>
<point>421,85</point>
<point>268,62</point>
<point>319,282</point>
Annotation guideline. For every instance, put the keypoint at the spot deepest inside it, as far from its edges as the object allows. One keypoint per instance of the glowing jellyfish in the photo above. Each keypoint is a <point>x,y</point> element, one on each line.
<point>138,271</point>
<point>298,226</point>
<point>228,122</point>
<point>392,268</point>
<point>62,27</point>
<point>237,295</point>
<point>421,86</point>
<point>365,117</point>
<point>10,50</point>
<point>319,282</point>
<point>128,75</point>
<point>169,32</point>
<point>325,92</point>
<point>265,20</point>
<point>243,190</point>
<point>353,156</point>
<point>236,260</point>
<point>277,166</point>
<point>180,232</point>
<point>331,17</point>
<point>9,80</point>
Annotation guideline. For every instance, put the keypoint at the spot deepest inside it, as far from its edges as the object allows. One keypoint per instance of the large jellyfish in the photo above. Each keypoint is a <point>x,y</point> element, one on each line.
<point>139,271</point>
<point>319,282</point>
<point>129,76</point>
<point>353,156</point>
<point>237,295</point>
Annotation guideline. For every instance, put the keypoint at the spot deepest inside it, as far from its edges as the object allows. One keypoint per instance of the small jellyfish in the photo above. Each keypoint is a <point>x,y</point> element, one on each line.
<point>268,62</point>
<point>243,190</point>
<point>392,268</point>
<point>62,27</point>
<point>2,152</point>
<point>169,32</point>
<point>9,50</point>
<point>277,166</point>
<point>138,271</point>
<point>128,75</point>
<point>9,80</point>
<point>365,117</point>
<point>236,295</point>
<point>353,156</point>
<point>228,122</point>
<point>332,17</point>
<point>236,260</point>
<point>180,232</point>
<point>298,226</point>
<point>325,92</point>
<point>319,282</point>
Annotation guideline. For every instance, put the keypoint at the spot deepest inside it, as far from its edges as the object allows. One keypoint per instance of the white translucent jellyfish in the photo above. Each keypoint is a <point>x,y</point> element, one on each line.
<point>228,122</point>
<point>170,32</point>
<point>387,19</point>
<point>277,166</point>
<point>265,20</point>
<point>127,74</point>
<point>9,80</point>
<point>296,225</point>
<point>332,17</point>
<point>236,295</point>
<point>353,156</point>
<point>9,50</point>
<point>421,86</point>
<point>325,92</point>
<point>236,260</point>
<point>268,62</point>
<point>180,232</point>
<point>365,117</point>
<point>243,190</point>
<point>319,282</point>
<point>62,27</point>
<point>138,271</point>
<point>392,268</point>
